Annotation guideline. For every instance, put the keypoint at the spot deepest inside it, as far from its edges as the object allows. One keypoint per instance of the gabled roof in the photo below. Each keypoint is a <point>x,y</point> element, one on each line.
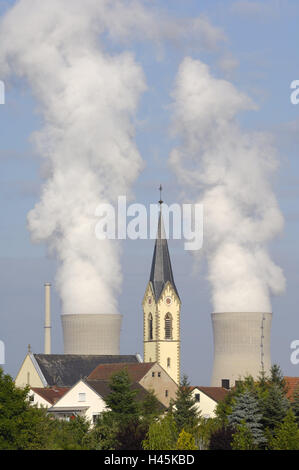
<point>161,270</point>
<point>135,371</point>
<point>215,393</point>
<point>64,370</point>
<point>52,394</point>
<point>291,384</point>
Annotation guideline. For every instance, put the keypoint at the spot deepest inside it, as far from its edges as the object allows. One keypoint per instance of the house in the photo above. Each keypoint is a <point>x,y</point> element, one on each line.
<point>87,399</point>
<point>150,375</point>
<point>62,370</point>
<point>207,398</point>
<point>46,396</point>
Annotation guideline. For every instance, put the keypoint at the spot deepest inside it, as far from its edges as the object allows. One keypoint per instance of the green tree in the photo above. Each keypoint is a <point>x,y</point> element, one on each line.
<point>104,433</point>
<point>22,426</point>
<point>125,425</point>
<point>150,407</point>
<point>184,410</point>
<point>122,398</point>
<point>243,438</point>
<point>162,434</point>
<point>295,404</point>
<point>186,441</point>
<point>274,407</point>
<point>70,435</point>
<point>276,378</point>
<point>286,435</point>
<point>246,412</point>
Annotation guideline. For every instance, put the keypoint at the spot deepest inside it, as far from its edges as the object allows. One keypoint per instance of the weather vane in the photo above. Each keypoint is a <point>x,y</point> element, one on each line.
<point>160,189</point>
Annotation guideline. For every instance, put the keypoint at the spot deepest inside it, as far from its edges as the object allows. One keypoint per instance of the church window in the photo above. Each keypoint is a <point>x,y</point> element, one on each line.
<point>168,326</point>
<point>150,327</point>
<point>166,393</point>
<point>168,362</point>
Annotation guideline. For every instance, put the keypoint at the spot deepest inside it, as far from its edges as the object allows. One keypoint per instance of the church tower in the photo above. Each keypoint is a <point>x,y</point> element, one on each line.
<point>161,310</point>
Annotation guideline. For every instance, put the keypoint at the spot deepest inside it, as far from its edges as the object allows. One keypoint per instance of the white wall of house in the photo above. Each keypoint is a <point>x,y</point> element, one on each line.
<point>82,395</point>
<point>38,400</point>
<point>206,405</point>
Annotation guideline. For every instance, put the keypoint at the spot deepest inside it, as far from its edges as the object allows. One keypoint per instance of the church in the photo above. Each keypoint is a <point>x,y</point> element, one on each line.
<point>161,310</point>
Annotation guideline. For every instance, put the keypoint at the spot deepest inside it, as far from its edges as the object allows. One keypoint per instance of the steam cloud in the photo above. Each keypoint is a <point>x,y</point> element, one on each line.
<point>229,171</point>
<point>88,99</point>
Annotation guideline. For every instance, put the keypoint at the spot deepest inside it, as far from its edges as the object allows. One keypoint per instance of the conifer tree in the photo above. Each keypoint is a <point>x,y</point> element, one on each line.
<point>276,378</point>
<point>274,407</point>
<point>122,399</point>
<point>184,411</point>
<point>246,412</point>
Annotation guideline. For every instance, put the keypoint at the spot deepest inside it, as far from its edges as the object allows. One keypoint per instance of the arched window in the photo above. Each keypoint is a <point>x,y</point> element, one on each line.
<point>168,362</point>
<point>150,327</point>
<point>168,326</point>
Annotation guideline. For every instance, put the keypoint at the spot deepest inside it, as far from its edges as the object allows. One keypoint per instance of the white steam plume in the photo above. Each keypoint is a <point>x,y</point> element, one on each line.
<point>88,99</point>
<point>229,171</point>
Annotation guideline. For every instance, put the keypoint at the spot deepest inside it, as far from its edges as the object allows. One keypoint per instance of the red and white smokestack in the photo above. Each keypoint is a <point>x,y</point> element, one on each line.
<point>47,318</point>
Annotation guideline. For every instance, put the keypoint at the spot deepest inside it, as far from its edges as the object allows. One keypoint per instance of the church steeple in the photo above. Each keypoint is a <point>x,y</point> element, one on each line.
<point>161,270</point>
<point>162,309</point>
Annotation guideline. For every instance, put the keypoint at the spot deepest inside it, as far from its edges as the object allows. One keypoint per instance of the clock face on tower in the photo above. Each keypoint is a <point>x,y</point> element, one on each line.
<point>168,300</point>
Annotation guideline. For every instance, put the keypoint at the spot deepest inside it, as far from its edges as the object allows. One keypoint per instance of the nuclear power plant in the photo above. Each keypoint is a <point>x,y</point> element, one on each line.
<point>91,333</point>
<point>241,346</point>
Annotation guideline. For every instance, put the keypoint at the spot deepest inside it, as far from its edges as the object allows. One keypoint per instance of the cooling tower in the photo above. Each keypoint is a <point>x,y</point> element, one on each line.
<point>91,334</point>
<point>241,346</point>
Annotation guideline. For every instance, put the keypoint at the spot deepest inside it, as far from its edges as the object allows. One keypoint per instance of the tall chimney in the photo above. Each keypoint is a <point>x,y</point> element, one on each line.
<point>47,318</point>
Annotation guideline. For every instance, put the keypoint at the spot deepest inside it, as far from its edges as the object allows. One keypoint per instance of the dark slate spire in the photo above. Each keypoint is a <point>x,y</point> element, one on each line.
<point>161,270</point>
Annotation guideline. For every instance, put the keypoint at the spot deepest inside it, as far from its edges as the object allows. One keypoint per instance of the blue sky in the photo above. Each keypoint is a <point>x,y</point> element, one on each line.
<point>262,41</point>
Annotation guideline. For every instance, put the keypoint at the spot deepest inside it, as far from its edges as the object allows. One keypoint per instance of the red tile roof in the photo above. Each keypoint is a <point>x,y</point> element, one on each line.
<point>51,394</point>
<point>135,371</point>
<point>216,393</point>
<point>291,384</point>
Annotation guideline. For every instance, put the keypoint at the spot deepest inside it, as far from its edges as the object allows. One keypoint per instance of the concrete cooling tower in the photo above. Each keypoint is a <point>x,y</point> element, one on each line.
<point>241,346</point>
<point>91,334</point>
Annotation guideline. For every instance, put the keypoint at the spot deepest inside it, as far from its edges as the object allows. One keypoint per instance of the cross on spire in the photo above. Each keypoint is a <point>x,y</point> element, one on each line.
<point>160,189</point>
